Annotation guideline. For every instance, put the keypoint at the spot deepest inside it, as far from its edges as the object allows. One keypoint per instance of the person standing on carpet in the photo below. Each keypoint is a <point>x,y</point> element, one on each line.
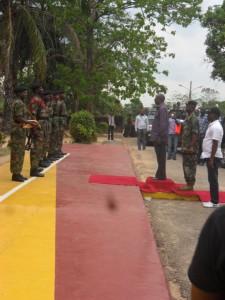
<point>207,269</point>
<point>189,146</point>
<point>212,154</point>
<point>159,136</point>
<point>141,127</point>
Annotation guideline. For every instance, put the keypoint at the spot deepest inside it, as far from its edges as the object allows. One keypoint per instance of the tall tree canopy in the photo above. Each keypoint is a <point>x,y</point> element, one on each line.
<point>89,46</point>
<point>214,21</point>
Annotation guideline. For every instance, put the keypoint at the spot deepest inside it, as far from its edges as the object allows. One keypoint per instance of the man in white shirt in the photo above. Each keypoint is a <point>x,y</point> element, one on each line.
<point>141,127</point>
<point>212,154</point>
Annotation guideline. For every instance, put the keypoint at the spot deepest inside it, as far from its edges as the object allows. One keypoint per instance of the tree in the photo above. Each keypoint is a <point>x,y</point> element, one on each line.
<point>214,21</point>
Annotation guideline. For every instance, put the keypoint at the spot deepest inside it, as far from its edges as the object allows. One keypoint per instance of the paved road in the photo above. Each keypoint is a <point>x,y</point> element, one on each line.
<point>176,224</point>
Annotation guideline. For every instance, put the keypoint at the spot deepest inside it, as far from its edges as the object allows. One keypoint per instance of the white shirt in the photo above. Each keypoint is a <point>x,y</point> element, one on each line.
<point>214,132</point>
<point>141,122</point>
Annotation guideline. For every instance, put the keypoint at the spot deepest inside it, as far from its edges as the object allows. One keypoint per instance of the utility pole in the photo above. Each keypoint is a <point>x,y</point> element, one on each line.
<point>190,90</point>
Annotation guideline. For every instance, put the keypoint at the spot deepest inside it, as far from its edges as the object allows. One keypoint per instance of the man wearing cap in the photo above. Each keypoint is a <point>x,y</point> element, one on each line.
<point>18,133</point>
<point>38,111</point>
<point>212,154</point>
<point>189,146</point>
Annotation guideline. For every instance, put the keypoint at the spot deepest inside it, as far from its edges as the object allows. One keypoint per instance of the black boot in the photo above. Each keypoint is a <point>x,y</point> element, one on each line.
<point>17,177</point>
<point>36,173</point>
<point>43,164</point>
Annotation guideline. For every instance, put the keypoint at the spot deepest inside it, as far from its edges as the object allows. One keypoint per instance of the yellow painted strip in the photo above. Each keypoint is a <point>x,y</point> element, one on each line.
<point>169,196</point>
<point>27,240</point>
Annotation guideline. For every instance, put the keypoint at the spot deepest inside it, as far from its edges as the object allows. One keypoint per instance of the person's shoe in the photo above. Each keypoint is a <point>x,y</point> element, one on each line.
<point>62,153</point>
<point>43,164</point>
<point>144,149</point>
<point>25,178</point>
<point>40,169</point>
<point>157,178</point>
<point>174,158</point>
<point>168,158</point>
<point>18,178</point>
<point>210,204</point>
<point>201,163</point>
<point>36,173</point>
<point>186,188</point>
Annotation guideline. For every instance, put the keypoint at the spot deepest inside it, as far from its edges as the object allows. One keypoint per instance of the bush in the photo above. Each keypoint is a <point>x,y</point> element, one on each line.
<point>102,127</point>
<point>82,127</point>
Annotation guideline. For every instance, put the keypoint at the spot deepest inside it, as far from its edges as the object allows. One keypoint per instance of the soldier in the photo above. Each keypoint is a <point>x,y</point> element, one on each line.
<point>190,136</point>
<point>62,122</point>
<point>52,153</point>
<point>47,98</point>
<point>18,133</point>
<point>38,111</point>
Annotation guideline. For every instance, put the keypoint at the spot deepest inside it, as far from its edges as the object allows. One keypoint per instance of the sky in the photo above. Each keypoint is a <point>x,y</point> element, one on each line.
<point>188,64</point>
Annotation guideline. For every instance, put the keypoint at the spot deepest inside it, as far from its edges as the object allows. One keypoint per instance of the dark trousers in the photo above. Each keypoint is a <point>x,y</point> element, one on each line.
<point>213,179</point>
<point>160,151</point>
<point>141,141</point>
<point>110,132</point>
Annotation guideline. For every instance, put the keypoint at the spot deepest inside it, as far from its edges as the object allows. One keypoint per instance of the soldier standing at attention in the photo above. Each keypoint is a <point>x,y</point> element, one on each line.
<point>18,133</point>
<point>62,122</point>
<point>47,132</point>
<point>52,154</point>
<point>38,110</point>
<point>190,135</point>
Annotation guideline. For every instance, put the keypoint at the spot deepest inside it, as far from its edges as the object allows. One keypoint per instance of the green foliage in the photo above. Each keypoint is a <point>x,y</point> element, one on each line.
<point>82,127</point>
<point>102,127</point>
<point>214,21</point>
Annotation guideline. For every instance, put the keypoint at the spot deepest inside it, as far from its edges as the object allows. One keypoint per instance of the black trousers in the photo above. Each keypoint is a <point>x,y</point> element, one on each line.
<point>110,132</point>
<point>213,179</point>
<point>160,151</point>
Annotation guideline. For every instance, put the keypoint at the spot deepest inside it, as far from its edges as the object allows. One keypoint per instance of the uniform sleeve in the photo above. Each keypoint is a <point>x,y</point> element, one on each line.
<point>207,269</point>
<point>195,126</point>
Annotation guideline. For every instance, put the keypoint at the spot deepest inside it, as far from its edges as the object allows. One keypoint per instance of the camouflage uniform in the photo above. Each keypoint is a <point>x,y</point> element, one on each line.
<point>18,137</point>
<point>55,128</point>
<point>191,125</point>
<point>38,110</point>
<point>62,124</point>
<point>48,128</point>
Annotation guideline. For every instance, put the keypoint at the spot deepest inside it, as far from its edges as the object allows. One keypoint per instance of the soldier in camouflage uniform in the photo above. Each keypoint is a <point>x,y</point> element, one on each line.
<point>38,110</point>
<point>190,135</point>
<point>52,153</point>
<point>18,133</point>
<point>47,98</point>
<point>62,122</point>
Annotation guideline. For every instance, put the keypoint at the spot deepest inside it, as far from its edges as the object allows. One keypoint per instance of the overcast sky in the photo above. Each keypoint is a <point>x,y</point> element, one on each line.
<point>188,65</point>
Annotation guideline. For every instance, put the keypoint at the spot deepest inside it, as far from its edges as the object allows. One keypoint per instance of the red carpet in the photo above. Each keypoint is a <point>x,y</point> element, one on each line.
<point>152,186</point>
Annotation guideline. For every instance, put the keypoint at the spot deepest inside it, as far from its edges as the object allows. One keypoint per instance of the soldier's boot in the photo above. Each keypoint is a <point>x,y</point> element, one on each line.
<point>36,173</point>
<point>43,164</point>
<point>17,177</point>
<point>52,157</point>
<point>186,188</point>
<point>62,153</point>
<point>40,169</point>
<point>46,160</point>
<point>25,178</point>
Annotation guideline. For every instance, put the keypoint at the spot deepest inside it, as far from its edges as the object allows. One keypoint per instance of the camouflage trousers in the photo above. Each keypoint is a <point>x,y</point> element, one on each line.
<point>17,152</point>
<point>189,167</point>
<point>36,152</point>
<point>46,143</point>
<point>53,140</point>
<point>60,138</point>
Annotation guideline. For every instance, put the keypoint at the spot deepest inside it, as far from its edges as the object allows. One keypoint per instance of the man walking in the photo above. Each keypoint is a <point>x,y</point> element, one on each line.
<point>212,154</point>
<point>141,127</point>
<point>159,136</point>
<point>203,125</point>
<point>189,146</point>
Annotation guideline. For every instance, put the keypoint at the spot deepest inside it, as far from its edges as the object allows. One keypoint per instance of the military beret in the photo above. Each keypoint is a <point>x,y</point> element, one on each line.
<point>36,85</point>
<point>215,111</point>
<point>19,89</point>
<point>47,92</point>
<point>192,102</point>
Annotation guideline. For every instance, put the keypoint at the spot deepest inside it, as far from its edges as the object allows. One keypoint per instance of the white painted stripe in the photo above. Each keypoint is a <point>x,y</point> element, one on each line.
<point>18,187</point>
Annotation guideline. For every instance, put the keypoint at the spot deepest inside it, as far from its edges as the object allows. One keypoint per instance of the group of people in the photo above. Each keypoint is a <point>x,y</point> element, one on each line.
<point>42,122</point>
<point>207,135</point>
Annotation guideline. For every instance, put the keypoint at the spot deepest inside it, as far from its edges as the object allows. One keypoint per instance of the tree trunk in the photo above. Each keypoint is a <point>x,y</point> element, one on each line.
<point>7,111</point>
<point>89,67</point>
